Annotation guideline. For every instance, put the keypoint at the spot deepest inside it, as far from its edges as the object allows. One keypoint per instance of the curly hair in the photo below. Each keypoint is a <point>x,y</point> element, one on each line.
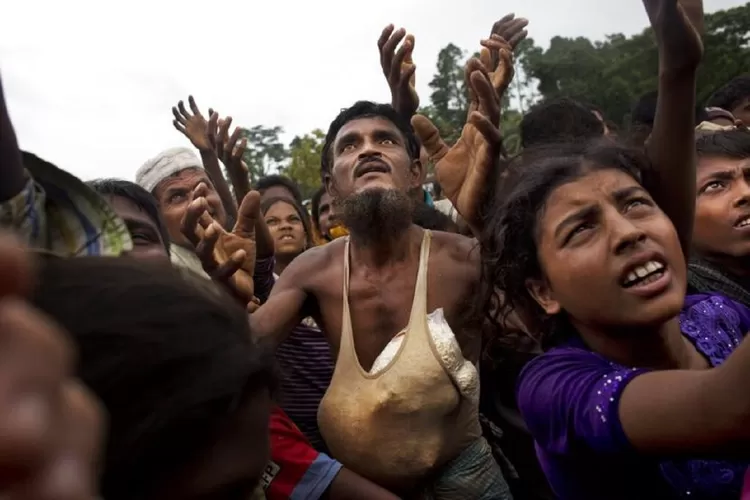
<point>509,240</point>
<point>367,109</point>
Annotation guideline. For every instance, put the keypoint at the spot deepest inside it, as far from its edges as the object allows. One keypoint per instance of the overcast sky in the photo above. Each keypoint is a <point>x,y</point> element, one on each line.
<point>90,84</point>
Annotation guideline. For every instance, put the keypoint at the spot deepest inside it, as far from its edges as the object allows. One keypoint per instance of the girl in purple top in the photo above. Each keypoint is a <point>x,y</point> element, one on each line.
<point>641,393</point>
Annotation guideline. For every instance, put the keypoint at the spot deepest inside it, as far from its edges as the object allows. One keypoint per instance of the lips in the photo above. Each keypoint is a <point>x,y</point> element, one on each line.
<point>742,221</point>
<point>370,166</point>
<point>642,269</point>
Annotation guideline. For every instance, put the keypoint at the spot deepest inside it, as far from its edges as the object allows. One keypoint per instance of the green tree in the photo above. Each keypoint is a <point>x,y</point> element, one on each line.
<point>304,161</point>
<point>614,72</point>
<point>265,152</point>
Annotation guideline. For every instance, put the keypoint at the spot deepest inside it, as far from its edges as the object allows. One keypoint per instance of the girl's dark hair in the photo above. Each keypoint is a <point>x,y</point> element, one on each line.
<point>315,207</point>
<point>266,205</point>
<point>510,235</point>
<point>169,355</point>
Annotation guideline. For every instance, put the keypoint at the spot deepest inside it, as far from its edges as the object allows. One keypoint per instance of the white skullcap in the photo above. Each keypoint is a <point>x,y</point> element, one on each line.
<point>164,164</point>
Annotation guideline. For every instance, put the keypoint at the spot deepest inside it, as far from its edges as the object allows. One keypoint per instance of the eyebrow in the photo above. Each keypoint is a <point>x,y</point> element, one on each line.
<point>589,211</point>
<point>133,224</point>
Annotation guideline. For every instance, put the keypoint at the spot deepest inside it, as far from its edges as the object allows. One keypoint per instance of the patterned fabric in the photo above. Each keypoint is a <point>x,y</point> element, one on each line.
<point>305,363</point>
<point>704,277</point>
<point>473,474</point>
<point>57,212</point>
<point>569,398</point>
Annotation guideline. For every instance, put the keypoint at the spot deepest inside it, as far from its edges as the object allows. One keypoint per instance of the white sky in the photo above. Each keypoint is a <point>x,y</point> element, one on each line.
<point>90,83</point>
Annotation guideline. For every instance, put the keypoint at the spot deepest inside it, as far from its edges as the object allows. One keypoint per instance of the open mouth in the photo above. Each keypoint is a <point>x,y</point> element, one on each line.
<point>371,166</point>
<point>742,222</point>
<point>286,237</point>
<point>644,274</point>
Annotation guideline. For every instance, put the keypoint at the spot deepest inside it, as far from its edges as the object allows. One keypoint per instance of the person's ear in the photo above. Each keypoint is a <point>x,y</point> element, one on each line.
<point>542,293</point>
<point>418,173</point>
<point>329,185</point>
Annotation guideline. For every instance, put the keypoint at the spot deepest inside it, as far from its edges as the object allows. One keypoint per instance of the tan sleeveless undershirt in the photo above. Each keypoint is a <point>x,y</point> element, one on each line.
<point>396,426</point>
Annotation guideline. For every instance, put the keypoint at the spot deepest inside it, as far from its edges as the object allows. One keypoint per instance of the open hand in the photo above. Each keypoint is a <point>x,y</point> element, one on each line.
<point>193,125</point>
<point>50,426</point>
<point>677,25</point>
<point>399,69</point>
<point>463,170</point>
<point>230,150</point>
<point>228,257</point>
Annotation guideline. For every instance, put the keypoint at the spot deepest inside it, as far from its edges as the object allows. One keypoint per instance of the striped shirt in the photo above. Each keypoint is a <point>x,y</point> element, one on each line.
<point>57,212</point>
<point>306,365</point>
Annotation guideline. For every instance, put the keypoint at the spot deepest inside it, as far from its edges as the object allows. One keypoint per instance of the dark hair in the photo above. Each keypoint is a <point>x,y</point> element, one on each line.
<point>733,144</point>
<point>315,207</point>
<point>509,238</point>
<point>367,109</point>
<point>644,111</point>
<point>559,120</point>
<point>168,353</point>
<point>731,94</point>
<point>266,205</point>
<point>269,181</point>
<point>135,193</point>
<point>431,218</point>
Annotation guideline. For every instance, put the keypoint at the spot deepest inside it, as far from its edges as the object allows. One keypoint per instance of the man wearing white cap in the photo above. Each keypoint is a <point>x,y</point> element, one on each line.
<point>172,176</point>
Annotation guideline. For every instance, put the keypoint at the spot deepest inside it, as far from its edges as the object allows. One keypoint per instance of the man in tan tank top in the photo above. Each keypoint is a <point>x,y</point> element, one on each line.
<point>409,425</point>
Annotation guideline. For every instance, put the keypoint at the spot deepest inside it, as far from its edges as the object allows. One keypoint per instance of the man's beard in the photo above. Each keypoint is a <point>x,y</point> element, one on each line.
<point>375,214</point>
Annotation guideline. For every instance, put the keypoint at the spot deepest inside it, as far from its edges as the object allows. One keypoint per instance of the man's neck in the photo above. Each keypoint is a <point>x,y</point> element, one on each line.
<point>385,250</point>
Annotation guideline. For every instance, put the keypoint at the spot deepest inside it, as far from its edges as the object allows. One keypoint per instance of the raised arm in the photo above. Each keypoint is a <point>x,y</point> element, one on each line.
<point>12,176</point>
<point>677,25</point>
<point>290,301</point>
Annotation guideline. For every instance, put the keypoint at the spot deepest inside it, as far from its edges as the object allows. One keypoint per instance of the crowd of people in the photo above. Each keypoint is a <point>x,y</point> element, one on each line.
<point>190,335</point>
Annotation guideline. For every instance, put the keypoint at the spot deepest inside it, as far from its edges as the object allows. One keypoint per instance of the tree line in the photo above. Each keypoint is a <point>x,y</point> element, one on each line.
<point>610,74</point>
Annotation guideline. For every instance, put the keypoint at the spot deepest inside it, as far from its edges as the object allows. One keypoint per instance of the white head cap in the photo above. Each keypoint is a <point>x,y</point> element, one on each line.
<point>164,164</point>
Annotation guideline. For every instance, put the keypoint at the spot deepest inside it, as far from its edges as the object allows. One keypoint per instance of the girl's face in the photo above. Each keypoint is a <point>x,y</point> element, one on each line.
<point>610,257</point>
<point>286,229</point>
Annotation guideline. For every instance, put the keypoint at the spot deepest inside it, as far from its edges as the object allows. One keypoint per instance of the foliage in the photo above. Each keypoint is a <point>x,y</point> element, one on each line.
<point>615,72</point>
<point>265,153</point>
<point>304,161</point>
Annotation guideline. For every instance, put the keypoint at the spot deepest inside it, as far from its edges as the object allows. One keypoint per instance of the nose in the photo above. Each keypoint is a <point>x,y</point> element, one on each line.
<point>627,236</point>
<point>369,149</point>
<point>743,193</point>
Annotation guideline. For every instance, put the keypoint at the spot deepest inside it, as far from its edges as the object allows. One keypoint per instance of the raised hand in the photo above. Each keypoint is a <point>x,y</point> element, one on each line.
<point>399,69</point>
<point>463,170</point>
<point>50,425</point>
<point>677,25</point>
<point>228,257</point>
<point>193,125</point>
<point>230,149</point>
<point>512,29</point>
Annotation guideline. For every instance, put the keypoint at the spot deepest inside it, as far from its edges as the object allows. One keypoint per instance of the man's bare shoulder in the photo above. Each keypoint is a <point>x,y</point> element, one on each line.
<point>456,246</point>
<point>309,265</point>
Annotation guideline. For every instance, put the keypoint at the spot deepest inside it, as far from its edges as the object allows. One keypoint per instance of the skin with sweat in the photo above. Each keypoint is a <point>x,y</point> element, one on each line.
<point>383,275</point>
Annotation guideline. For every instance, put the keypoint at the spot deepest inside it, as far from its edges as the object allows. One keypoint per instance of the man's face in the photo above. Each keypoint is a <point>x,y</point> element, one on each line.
<point>144,231</point>
<point>371,153</point>
<point>174,195</point>
<point>324,214</point>
<point>742,111</point>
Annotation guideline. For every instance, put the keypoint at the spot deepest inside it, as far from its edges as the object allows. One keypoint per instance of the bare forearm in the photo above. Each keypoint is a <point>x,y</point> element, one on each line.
<point>12,176</point>
<point>213,168</point>
<point>671,150</point>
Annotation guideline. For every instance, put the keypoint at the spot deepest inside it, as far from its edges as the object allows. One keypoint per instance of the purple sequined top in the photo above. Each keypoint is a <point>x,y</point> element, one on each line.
<point>569,398</point>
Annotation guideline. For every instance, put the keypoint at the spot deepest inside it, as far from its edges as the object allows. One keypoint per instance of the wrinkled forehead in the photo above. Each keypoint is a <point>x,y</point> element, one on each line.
<point>606,186</point>
<point>185,179</point>
<point>366,127</point>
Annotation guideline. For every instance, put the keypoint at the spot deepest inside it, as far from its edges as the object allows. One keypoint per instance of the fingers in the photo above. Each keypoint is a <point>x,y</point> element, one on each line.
<point>388,50</point>
<point>179,117</point>
<point>193,106</point>
<point>511,29</point>
<point>231,266</point>
<point>70,471</point>
<point>213,121</point>
<point>205,247</point>
<point>384,36</point>
<point>223,138</point>
<point>15,267</point>
<point>253,305</point>
<point>183,111</point>
<point>430,137</point>
<point>489,103</point>
<point>247,215</point>
<point>191,218</point>
<point>489,131</point>
<point>399,60</point>
<point>35,360</point>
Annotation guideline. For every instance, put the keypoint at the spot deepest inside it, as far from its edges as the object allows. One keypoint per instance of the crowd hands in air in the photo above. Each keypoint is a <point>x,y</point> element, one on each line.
<point>130,377</point>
